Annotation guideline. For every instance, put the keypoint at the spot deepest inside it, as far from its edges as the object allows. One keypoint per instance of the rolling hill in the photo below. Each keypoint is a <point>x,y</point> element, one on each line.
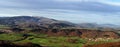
<point>42,22</point>
<point>34,22</point>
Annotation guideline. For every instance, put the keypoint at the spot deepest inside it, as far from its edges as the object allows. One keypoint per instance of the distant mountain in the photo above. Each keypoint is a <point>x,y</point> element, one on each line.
<point>34,22</point>
<point>42,22</point>
<point>99,26</point>
<point>88,25</point>
<point>111,25</point>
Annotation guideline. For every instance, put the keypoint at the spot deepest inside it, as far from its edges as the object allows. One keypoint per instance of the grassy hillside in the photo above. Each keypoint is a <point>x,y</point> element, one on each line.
<point>4,27</point>
<point>45,40</point>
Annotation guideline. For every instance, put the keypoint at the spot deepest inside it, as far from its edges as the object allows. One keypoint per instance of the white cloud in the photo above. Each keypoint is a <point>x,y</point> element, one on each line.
<point>79,12</point>
<point>116,3</point>
<point>76,0</point>
<point>77,16</point>
<point>68,0</point>
<point>7,15</point>
<point>113,3</point>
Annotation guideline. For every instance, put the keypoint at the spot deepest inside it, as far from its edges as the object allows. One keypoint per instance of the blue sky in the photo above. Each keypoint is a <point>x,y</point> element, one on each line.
<point>76,11</point>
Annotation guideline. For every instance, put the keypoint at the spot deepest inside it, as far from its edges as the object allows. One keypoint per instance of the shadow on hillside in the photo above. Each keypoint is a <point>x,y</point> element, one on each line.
<point>4,43</point>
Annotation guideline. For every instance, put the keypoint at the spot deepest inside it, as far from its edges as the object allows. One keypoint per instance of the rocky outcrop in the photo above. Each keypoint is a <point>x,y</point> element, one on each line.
<point>112,44</point>
<point>5,31</point>
<point>83,33</point>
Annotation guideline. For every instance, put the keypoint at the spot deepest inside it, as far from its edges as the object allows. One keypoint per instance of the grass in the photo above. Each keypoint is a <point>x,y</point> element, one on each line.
<point>52,42</point>
<point>4,27</point>
<point>104,41</point>
<point>10,37</point>
<point>44,40</point>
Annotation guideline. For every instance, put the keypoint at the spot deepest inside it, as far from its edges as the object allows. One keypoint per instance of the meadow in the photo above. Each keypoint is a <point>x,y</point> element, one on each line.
<point>50,41</point>
<point>44,40</point>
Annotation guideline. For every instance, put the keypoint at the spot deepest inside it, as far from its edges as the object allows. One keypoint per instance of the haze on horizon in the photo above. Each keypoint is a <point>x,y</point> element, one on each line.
<point>76,11</point>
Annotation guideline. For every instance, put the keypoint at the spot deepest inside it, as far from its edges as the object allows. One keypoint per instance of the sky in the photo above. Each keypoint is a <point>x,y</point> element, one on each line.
<point>76,11</point>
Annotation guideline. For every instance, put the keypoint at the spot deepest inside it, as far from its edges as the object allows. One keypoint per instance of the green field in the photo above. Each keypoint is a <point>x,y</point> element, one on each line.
<point>4,27</point>
<point>50,41</point>
<point>45,40</point>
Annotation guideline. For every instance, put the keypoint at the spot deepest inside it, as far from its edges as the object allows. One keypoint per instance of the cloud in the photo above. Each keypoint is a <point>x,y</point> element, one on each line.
<point>79,10</point>
<point>77,0</point>
<point>68,0</point>
<point>52,4</point>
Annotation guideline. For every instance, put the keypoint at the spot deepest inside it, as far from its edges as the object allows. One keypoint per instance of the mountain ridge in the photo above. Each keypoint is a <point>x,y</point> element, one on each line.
<point>28,21</point>
<point>37,22</point>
